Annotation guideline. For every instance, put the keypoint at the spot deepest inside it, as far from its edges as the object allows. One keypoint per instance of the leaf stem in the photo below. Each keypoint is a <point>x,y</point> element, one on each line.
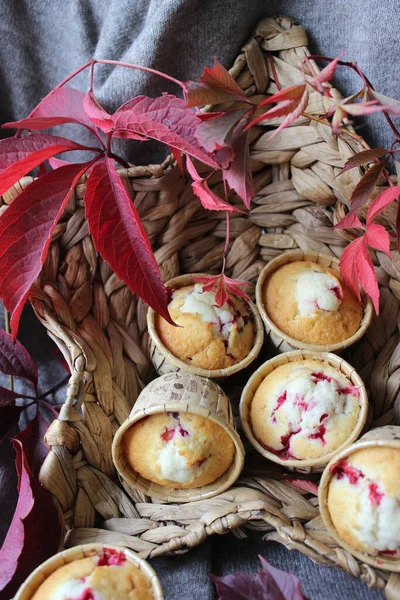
<point>273,70</point>
<point>7,328</point>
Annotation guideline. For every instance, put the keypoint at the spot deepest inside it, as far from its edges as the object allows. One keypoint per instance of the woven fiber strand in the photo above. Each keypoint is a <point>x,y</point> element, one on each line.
<point>100,326</point>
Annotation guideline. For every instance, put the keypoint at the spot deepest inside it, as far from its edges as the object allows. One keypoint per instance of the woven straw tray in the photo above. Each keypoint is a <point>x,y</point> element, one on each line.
<point>100,327</point>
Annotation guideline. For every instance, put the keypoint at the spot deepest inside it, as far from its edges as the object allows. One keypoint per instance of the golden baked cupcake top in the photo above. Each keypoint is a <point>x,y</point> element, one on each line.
<point>178,450</point>
<point>209,337</point>
<point>104,577</point>
<point>364,500</point>
<point>304,410</point>
<point>309,302</point>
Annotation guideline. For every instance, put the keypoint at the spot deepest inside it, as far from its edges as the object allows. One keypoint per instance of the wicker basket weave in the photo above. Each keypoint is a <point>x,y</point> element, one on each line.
<point>101,327</point>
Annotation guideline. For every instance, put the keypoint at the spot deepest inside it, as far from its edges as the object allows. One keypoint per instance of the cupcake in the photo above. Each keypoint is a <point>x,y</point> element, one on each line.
<point>209,337</point>
<point>180,450</point>
<point>106,576</point>
<point>309,303</point>
<point>300,407</point>
<point>363,500</point>
<point>304,409</point>
<point>179,443</point>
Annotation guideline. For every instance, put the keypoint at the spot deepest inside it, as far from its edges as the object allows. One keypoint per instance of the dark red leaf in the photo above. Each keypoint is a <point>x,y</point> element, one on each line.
<point>25,230</point>
<point>382,201</point>
<point>221,283</point>
<point>38,123</point>
<point>96,113</point>
<point>18,156</point>
<point>366,186</point>
<point>220,130</point>
<point>268,584</point>
<point>377,237</point>
<point>362,158</point>
<point>120,237</point>
<point>8,397</point>
<point>9,416</point>
<point>63,102</point>
<point>239,173</point>
<point>221,295</point>
<point>15,359</point>
<point>35,531</point>
<point>215,85</point>
<point>164,119</point>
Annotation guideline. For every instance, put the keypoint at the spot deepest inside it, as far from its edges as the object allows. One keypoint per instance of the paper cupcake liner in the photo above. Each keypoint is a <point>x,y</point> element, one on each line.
<point>306,465</point>
<point>283,342</point>
<point>180,392</point>
<point>165,362</point>
<point>41,573</point>
<point>388,436</point>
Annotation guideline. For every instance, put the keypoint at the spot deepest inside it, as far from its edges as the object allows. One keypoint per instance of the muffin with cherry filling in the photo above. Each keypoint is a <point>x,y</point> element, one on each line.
<point>364,500</point>
<point>309,303</point>
<point>104,577</point>
<point>208,336</point>
<point>303,410</point>
<point>178,450</point>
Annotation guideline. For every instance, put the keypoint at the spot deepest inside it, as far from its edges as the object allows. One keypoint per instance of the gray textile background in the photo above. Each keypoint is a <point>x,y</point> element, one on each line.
<point>42,41</point>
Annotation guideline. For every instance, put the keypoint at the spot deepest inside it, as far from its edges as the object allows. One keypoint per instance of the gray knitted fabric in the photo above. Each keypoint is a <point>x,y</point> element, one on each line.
<point>42,41</point>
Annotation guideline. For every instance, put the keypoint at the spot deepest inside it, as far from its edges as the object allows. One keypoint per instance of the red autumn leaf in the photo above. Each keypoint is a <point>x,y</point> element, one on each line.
<point>357,270</point>
<point>382,201</point>
<point>15,359</point>
<point>177,154</point>
<point>214,86</point>
<point>164,119</point>
<point>269,583</point>
<point>326,74</point>
<point>96,113</point>
<point>362,158</point>
<point>9,417</point>
<point>18,156</point>
<point>366,186</point>
<point>208,199</point>
<point>35,531</point>
<point>120,237</point>
<point>377,237</point>
<point>8,397</point>
<point>389,105</point>
<point>55,163</point>
<point>25,230</point>
<point>350,221</point>
<point>222,285</point>
<point>220,131</point>
<point>291,103</point>
<point>239,173</point>
<point>362,108</point>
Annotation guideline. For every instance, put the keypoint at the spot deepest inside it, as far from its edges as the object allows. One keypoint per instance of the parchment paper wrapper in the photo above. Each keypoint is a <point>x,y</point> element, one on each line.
<point>38,576</point>
<point>388,436</point>
<point>180,392</point>
<point>282,341</point>
<point>165,362</point>
<point>310,465</point>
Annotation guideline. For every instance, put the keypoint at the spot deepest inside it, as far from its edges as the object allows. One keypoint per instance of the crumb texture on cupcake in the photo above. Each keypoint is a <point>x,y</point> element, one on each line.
<point>178,450</point>
<point>304,409</point>
<point>364,500</point>
<point>308,302</point>
<point>209,337</point>
<point>104,577</point>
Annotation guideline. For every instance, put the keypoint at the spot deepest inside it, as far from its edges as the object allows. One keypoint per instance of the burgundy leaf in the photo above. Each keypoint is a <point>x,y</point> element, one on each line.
<point>239,173</point>
<point>362,158</point>
<point>9,416</point>
<point>268,584</point>
<point>18,156</point>
<point>164,119</point>
<point>382,201</point>
<point>8,397</point>
<point>366,186</point>
<point>377,237</point>
<point>15,359</point>
<point>35,531</point>
<point>120,237</point>
<point>96,113</point>
<point>219,130</point>
<point>25,230</point>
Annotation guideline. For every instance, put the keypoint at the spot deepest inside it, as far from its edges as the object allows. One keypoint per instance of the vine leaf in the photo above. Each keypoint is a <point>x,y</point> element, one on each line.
<point>366,186</point>
<point>214,86</point>
<point>207,197</point>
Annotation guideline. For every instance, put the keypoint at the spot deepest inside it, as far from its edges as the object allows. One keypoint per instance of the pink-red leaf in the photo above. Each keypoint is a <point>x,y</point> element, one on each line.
<point>327,72</point>
<point>269,583</point>
<point>120,237</point>
<point>366,186</point>
<point>357,270</point>
<point>291,103</point>
<point>164,119</point>
<point>63,102</point>
<point>382,201</point>
<point>304,485</point>
<point>96,113</point>
<point>215,85</point>
<point>218,282</point>
<point>15,359</point>
<point>362,108</point>
<point>350,221</point>
<point>294,93</point>
<point>207,197</point>
<point>389,105</point>
<point>362,158</point>
<point>377,237</point>
<point>25,230</point>
<point>18,156</point>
